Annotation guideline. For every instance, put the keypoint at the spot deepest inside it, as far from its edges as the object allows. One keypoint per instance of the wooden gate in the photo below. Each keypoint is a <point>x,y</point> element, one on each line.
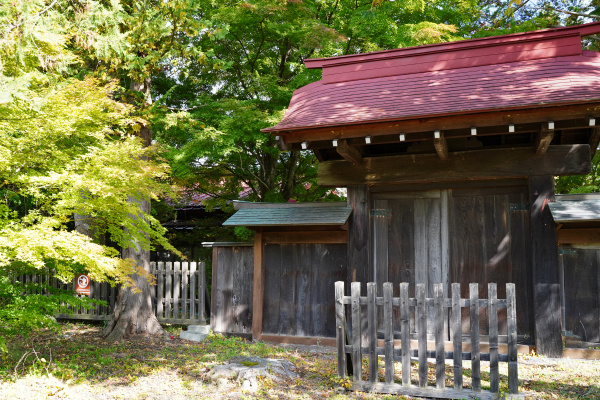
<point>352,342</point>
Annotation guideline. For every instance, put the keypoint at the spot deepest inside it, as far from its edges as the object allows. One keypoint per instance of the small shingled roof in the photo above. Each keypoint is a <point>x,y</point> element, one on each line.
<point>575,208</point>
<point>286,216</point>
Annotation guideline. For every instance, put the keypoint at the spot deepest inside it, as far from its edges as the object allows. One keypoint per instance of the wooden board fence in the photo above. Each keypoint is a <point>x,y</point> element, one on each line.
<point>179,296</point>
<point>351,343</point>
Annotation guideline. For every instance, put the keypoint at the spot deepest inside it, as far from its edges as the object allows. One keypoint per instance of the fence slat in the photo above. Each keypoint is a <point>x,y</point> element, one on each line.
<point>388,332</point>
<point>440,361</point>
<point>405,333</point>
<point>160,288</point>
<point>474,319</point>
<point>185,274</point>
<point>168,289</point>
<point>340,329</point>
<point>176,289</point>
<point>422,332</point>
<point>193,295</point>
<point>356,333</point>
<point>201,292</point>
<point>493,340</point>
<point>372,326</point>
<point>511,314</point>
<point>457,336</point>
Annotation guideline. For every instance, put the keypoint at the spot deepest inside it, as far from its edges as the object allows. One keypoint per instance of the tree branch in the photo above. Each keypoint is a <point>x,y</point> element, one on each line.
<point>577,14</point>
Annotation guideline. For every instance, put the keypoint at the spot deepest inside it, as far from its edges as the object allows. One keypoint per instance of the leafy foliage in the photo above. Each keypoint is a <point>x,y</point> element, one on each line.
<point>67,148</point>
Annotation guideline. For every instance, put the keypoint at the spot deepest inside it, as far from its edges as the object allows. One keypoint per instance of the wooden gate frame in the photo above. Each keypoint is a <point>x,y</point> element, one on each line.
<point>404,353</point>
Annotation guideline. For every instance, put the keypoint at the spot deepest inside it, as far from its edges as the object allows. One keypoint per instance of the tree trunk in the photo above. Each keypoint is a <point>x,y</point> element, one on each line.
<point>133,314</point>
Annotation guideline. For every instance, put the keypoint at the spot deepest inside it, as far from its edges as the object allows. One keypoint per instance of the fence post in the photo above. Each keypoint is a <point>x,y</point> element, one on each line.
<point>422,331</point>
<point>493,340</point>
<point>341,328</point>
<point>440,359</point>
<point>372,326</point>
<point>356,333</point>
<point>457,336</point>
<point>202,292</point>
<point>511,316</point>
<point>474,319</point>
<point>388,329</point>
<point>405,333</point>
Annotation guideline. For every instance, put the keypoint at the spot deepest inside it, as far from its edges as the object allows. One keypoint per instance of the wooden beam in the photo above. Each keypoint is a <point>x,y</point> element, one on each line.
<point>317,237</point>
<point>543,139</point>
<point>350,153</point>
<point>578,236</point>
<point>257,289</point>
<point>594,139</point>
<point>545,268</point>
<point>445,123</point>
<point>441,146</point>
<point>468,165</point>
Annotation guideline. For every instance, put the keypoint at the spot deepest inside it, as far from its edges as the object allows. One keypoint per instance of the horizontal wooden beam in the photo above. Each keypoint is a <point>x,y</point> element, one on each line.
<point>315,237</point>
<point>578,236</point>
<point>446,123</point>
<point>302,340</point>
<point>467,165</point>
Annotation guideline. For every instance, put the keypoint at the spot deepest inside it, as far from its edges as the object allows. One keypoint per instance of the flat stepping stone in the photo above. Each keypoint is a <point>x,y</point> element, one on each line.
<point>196,333</point>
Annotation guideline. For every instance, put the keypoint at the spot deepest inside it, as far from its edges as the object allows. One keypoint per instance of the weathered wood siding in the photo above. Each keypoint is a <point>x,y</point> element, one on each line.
<point>298,299</point>
<point>491,243</point>
<point>581,293</point>
<point>463,235</point>
<point>233,269</point>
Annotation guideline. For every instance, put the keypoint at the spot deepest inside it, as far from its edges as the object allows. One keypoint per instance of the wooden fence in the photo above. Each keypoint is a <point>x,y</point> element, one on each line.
<point>350,341</point>
<point>179,296</point>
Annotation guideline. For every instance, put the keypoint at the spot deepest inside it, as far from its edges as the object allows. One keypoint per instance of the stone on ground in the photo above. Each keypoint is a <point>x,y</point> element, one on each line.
<point>245,370</point>
<point>197,333</point>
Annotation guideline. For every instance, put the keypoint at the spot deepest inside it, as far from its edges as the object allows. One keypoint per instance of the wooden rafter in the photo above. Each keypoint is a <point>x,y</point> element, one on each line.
<point>350,153</point>
<point>543,139</point>
<point>441,146</point>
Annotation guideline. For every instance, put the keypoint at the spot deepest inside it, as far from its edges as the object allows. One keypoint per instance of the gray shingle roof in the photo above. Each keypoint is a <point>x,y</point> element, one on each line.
<point>575,208</point>
<point>286,216</point>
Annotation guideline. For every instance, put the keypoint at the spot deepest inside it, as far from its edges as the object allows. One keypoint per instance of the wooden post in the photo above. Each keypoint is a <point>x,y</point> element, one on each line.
<point>474,319</point>
<point>457,336</point>
<point>356,333</point>
<point>358,234</point>
<point>258,288</point>
<point>493,340</point>
<point>372,323</point>
<point>388,332</point>
<point>545,268</point>
<point>340,329</point>
<point>185,289</point>
<point>422,332</point>
<point>440,359</point>
<point>405,333</point>
<point>511,316</point>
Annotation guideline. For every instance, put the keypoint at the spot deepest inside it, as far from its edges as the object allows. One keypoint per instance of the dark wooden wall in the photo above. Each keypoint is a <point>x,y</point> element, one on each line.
<point>581,293</point>
<point>232,279</point>
<point>298,288</point>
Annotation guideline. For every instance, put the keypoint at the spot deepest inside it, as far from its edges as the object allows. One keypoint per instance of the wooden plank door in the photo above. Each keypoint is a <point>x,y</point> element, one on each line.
<point>412,246</point>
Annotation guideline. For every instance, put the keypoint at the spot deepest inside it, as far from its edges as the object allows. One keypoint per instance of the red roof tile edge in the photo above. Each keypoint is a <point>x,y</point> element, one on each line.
<point>544,34</point>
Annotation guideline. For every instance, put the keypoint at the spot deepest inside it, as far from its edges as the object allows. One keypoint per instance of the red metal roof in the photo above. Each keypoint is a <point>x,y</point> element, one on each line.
<point>525,70</point>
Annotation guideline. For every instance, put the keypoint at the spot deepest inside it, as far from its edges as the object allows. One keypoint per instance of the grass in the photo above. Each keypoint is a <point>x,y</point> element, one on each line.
<point>75,363</point>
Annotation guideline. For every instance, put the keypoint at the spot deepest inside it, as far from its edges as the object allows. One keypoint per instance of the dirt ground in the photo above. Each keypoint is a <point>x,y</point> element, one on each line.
<point>76,364</point>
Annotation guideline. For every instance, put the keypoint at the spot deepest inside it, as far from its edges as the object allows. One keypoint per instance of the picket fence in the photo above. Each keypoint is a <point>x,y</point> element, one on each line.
<point>350,341</point>
<point>179,296</point>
